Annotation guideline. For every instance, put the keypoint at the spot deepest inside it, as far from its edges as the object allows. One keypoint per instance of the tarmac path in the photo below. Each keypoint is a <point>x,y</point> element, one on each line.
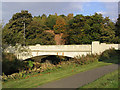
<point>81,78</point>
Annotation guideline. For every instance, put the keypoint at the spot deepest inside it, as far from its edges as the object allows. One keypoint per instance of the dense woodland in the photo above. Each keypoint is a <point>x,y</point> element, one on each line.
<point>77,29</point>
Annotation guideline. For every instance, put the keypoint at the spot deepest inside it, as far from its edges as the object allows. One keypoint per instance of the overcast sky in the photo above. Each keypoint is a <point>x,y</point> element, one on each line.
<point>38,8</point>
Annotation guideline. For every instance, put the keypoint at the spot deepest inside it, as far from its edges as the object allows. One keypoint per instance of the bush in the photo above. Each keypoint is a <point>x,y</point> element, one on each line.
<point>30,64</point>
<point>110,56</point>
<point>89,58</point>
<point>107,54</point>
<point>8,57</point>
<point>10,64</point>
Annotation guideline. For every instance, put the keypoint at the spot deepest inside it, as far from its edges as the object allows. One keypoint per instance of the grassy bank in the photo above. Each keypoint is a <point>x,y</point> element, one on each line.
<point>107,81</point>
<point>35,74</point>
<point>45,77</point>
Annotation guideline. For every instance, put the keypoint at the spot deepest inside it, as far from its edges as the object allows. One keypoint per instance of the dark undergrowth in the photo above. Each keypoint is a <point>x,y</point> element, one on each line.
<point>110,56</point>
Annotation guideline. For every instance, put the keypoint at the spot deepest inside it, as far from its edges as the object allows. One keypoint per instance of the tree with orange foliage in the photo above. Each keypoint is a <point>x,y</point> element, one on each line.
<point>60,25</point>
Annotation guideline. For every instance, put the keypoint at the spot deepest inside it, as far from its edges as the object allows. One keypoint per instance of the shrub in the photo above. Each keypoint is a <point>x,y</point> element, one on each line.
<point>110,56</point>
<point>30,64</point>
<point>107,54</point>
<point>10,64</point>
<point>8,57</point>
<point>47,66</point>
<point>4,77</point>
<point>89,58</point>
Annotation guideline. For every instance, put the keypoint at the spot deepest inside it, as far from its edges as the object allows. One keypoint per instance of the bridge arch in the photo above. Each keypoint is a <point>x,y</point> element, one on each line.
<point>53,59</point>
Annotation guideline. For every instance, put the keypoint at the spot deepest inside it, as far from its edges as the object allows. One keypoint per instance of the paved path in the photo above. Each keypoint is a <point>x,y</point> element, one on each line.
<point>81,78</point>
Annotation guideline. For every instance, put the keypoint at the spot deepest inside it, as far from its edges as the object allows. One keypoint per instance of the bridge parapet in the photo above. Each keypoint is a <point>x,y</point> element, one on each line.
<point>59,48</point>
<point>65,50</point>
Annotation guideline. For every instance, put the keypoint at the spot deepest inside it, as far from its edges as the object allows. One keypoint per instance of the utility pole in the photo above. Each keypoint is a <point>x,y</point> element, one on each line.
<point>24,34</point>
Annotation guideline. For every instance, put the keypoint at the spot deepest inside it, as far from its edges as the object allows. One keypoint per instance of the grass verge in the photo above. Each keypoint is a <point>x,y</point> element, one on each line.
<point>43,78</point>
<point>107,81</point>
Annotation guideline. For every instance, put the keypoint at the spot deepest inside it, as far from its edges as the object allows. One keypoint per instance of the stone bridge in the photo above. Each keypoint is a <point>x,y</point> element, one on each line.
<point>66,50</point>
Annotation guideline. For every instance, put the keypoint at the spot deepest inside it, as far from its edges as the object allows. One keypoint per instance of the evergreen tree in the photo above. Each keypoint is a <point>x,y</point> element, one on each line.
<point>13,32</point>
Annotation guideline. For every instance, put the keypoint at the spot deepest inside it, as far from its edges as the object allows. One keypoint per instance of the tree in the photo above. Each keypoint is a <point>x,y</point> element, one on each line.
<point>0,44</point>
<point>13,32</point>
<point>42,21</point>
<point>85,29</point>
<point>69,17</point>
<point>60,25</point>
<point>51,21</point>
<point>77,29</point>
<point>76,32</point>
<point>118,27</point>
<point>63,16</point>
<point>35,34</point>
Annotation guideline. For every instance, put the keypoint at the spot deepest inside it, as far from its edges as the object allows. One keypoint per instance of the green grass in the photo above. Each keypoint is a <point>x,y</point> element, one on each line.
<point>107,81</point>
<point>66,71</point>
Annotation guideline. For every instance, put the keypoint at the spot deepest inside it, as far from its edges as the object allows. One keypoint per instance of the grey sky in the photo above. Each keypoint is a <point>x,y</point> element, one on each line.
<point>60,0</point>
<point>39,8</point>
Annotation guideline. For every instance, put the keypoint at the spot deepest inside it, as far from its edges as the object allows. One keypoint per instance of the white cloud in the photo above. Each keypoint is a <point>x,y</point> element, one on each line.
<point>101,12</point>
<point>111,10</point>
<point>114,19</point>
